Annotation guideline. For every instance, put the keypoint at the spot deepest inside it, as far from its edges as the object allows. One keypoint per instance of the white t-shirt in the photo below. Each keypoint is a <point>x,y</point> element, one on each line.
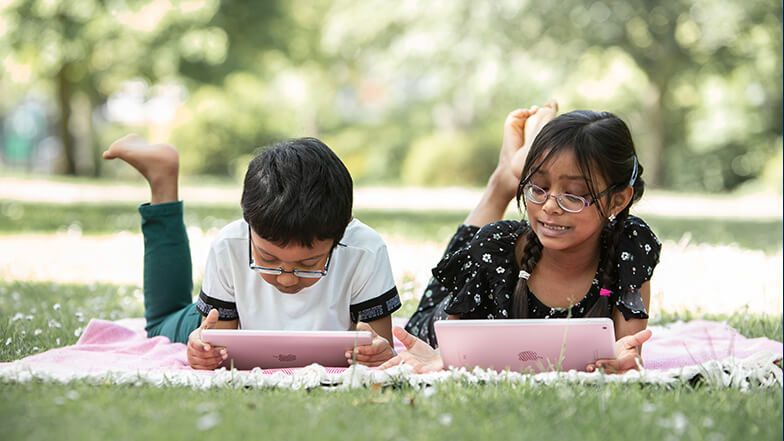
<point>358,286</point>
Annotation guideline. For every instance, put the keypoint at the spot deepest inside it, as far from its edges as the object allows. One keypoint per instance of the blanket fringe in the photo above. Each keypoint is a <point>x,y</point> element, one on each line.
<point>758,371</point>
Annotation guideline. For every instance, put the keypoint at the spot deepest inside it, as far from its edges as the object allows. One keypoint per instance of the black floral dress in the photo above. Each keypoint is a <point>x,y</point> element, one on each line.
<point>477,276</point>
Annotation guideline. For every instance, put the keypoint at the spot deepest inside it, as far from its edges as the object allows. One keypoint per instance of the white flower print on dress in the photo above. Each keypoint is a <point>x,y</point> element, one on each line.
<point>486,258</point>
<point>625,256</point>
<point>500,270</point>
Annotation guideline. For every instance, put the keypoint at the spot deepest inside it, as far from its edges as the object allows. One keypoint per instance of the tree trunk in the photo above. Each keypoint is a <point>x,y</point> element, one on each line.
<point>652,154</point>
<point>92,138</point>
<point>64,108</point>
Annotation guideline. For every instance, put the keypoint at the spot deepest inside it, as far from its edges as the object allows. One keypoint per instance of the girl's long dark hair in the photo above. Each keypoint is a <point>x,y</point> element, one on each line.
<point>602,146</point>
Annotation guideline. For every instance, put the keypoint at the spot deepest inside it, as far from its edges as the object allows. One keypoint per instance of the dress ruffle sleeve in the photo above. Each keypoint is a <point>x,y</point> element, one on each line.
<point>481,276</point>
<point>638,255</point>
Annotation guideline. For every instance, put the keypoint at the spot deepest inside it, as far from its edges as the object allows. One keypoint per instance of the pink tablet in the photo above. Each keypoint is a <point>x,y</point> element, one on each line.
<point>531,345</point>
<point>285,349</point>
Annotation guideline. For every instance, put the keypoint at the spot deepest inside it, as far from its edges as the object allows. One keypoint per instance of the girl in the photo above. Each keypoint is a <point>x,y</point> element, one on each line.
<point>580,254</point>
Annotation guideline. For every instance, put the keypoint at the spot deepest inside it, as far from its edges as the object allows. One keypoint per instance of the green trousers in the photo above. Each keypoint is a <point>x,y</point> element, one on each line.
<point>168,273</point>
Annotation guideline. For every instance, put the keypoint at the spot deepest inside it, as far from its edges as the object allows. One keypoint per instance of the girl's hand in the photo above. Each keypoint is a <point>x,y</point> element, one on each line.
<point>378,351</point>
<point>202,355</point>
<point>627,354</point>
<point>418,354</point>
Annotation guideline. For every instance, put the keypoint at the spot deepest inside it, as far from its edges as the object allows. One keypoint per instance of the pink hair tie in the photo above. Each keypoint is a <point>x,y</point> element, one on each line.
<point>605,292</point>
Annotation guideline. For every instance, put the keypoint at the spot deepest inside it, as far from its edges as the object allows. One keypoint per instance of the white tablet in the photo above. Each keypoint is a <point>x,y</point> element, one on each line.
<point>285,349</point>
<point>530,345</point>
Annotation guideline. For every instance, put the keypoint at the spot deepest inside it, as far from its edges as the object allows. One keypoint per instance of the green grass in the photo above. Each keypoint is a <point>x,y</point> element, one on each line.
<point>449,412</point>
<point>35,317</point>
<point>104,218</point>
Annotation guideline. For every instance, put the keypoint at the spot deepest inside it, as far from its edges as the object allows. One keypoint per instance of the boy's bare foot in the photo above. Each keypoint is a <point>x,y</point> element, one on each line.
<point>158,163</point>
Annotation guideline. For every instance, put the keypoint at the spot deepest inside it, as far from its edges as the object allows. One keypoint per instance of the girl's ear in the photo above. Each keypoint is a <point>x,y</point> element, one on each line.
<point>621,199</point>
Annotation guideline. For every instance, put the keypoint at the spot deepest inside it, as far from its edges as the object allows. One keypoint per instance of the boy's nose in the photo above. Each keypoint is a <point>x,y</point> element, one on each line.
<point>288,279</point>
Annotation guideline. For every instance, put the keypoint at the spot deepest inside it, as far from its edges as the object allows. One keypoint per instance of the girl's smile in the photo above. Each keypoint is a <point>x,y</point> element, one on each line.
<point>557,228</point>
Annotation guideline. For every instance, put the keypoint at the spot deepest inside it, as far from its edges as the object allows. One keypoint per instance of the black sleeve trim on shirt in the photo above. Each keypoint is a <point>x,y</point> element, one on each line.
<point>226,310</point>
<point>377,308</point>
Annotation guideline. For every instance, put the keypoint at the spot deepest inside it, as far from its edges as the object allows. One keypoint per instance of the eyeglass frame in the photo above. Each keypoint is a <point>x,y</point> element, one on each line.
<point>308,274</point>
<point>559,197</point>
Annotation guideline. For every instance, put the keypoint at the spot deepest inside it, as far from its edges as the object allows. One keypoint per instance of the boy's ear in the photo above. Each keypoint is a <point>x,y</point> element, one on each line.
<point>621,199</point>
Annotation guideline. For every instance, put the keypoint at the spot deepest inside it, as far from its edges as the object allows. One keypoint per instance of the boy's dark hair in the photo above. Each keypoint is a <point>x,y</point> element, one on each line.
<point>297,190</point>
<point>602,143</point>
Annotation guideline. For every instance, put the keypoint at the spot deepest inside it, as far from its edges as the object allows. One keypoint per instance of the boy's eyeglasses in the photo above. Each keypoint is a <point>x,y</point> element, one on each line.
<point>568,202</point>
<point>309,274</point>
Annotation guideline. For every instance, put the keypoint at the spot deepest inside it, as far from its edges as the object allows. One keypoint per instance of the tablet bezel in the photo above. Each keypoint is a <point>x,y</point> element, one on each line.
<point>273,349</point>
<point>526,345</point>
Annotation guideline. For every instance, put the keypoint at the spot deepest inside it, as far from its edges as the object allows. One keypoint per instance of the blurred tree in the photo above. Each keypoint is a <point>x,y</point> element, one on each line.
<point>699,80</point>
<point>86,49</point>
<point>695,54</point>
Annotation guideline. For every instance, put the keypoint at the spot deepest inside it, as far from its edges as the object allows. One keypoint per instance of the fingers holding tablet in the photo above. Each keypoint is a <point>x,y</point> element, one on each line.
<point>202,355</point>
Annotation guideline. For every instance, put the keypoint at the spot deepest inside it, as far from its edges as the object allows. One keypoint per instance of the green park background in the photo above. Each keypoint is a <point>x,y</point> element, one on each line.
<point>407,93</point>
<point>410,94</point>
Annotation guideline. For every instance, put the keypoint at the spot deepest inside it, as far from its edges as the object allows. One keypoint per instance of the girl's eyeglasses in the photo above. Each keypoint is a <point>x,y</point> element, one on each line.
<point>568,202</point>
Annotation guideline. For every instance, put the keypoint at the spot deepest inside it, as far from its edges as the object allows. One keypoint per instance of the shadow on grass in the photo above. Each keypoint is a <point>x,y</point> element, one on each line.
<point>437,225</point>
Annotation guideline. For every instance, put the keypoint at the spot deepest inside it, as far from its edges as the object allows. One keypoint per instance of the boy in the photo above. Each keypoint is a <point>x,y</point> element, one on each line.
<point>298,260</point>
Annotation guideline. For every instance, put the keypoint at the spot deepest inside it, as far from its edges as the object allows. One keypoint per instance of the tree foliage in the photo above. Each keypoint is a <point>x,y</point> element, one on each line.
<point>396,87</point>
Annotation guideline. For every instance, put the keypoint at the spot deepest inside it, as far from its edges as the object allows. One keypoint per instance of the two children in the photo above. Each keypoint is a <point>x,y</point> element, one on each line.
<point>298,260</point>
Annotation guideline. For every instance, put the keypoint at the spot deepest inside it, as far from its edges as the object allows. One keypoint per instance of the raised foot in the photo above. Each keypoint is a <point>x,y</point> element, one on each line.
<point>158,163</point>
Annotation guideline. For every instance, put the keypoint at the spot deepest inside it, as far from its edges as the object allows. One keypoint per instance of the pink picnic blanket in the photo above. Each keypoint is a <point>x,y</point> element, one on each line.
<point>123,345</point>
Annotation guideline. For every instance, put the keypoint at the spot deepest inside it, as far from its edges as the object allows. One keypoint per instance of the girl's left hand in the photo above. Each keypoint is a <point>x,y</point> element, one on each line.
<point>627,354</point>
<point>378,351</point>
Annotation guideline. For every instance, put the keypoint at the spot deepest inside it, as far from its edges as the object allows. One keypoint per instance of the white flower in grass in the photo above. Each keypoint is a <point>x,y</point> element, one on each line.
<point>445,419</point>
<point>8,342</point>
<point>208,421</point>
<point>29,317</point>
<point>77,332</point>
<point>56,306</point>
<point>37,332</point>
<point>54,324</point>
<point>18,316</point>
<point>72,395</point>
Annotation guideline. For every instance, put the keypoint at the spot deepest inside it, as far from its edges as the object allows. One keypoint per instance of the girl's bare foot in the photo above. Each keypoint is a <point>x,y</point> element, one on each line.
<point>513,154</point>
<point>520,129</point>
<point>502,185</point>
<point>158,163</point>
<point>539,117</point>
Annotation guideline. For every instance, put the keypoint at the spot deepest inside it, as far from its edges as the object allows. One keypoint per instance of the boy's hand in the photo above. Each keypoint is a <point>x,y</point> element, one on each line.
<point>418,354</point>
<point>202,355</point>
<point>378,351</point>
<point>627,354</point>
